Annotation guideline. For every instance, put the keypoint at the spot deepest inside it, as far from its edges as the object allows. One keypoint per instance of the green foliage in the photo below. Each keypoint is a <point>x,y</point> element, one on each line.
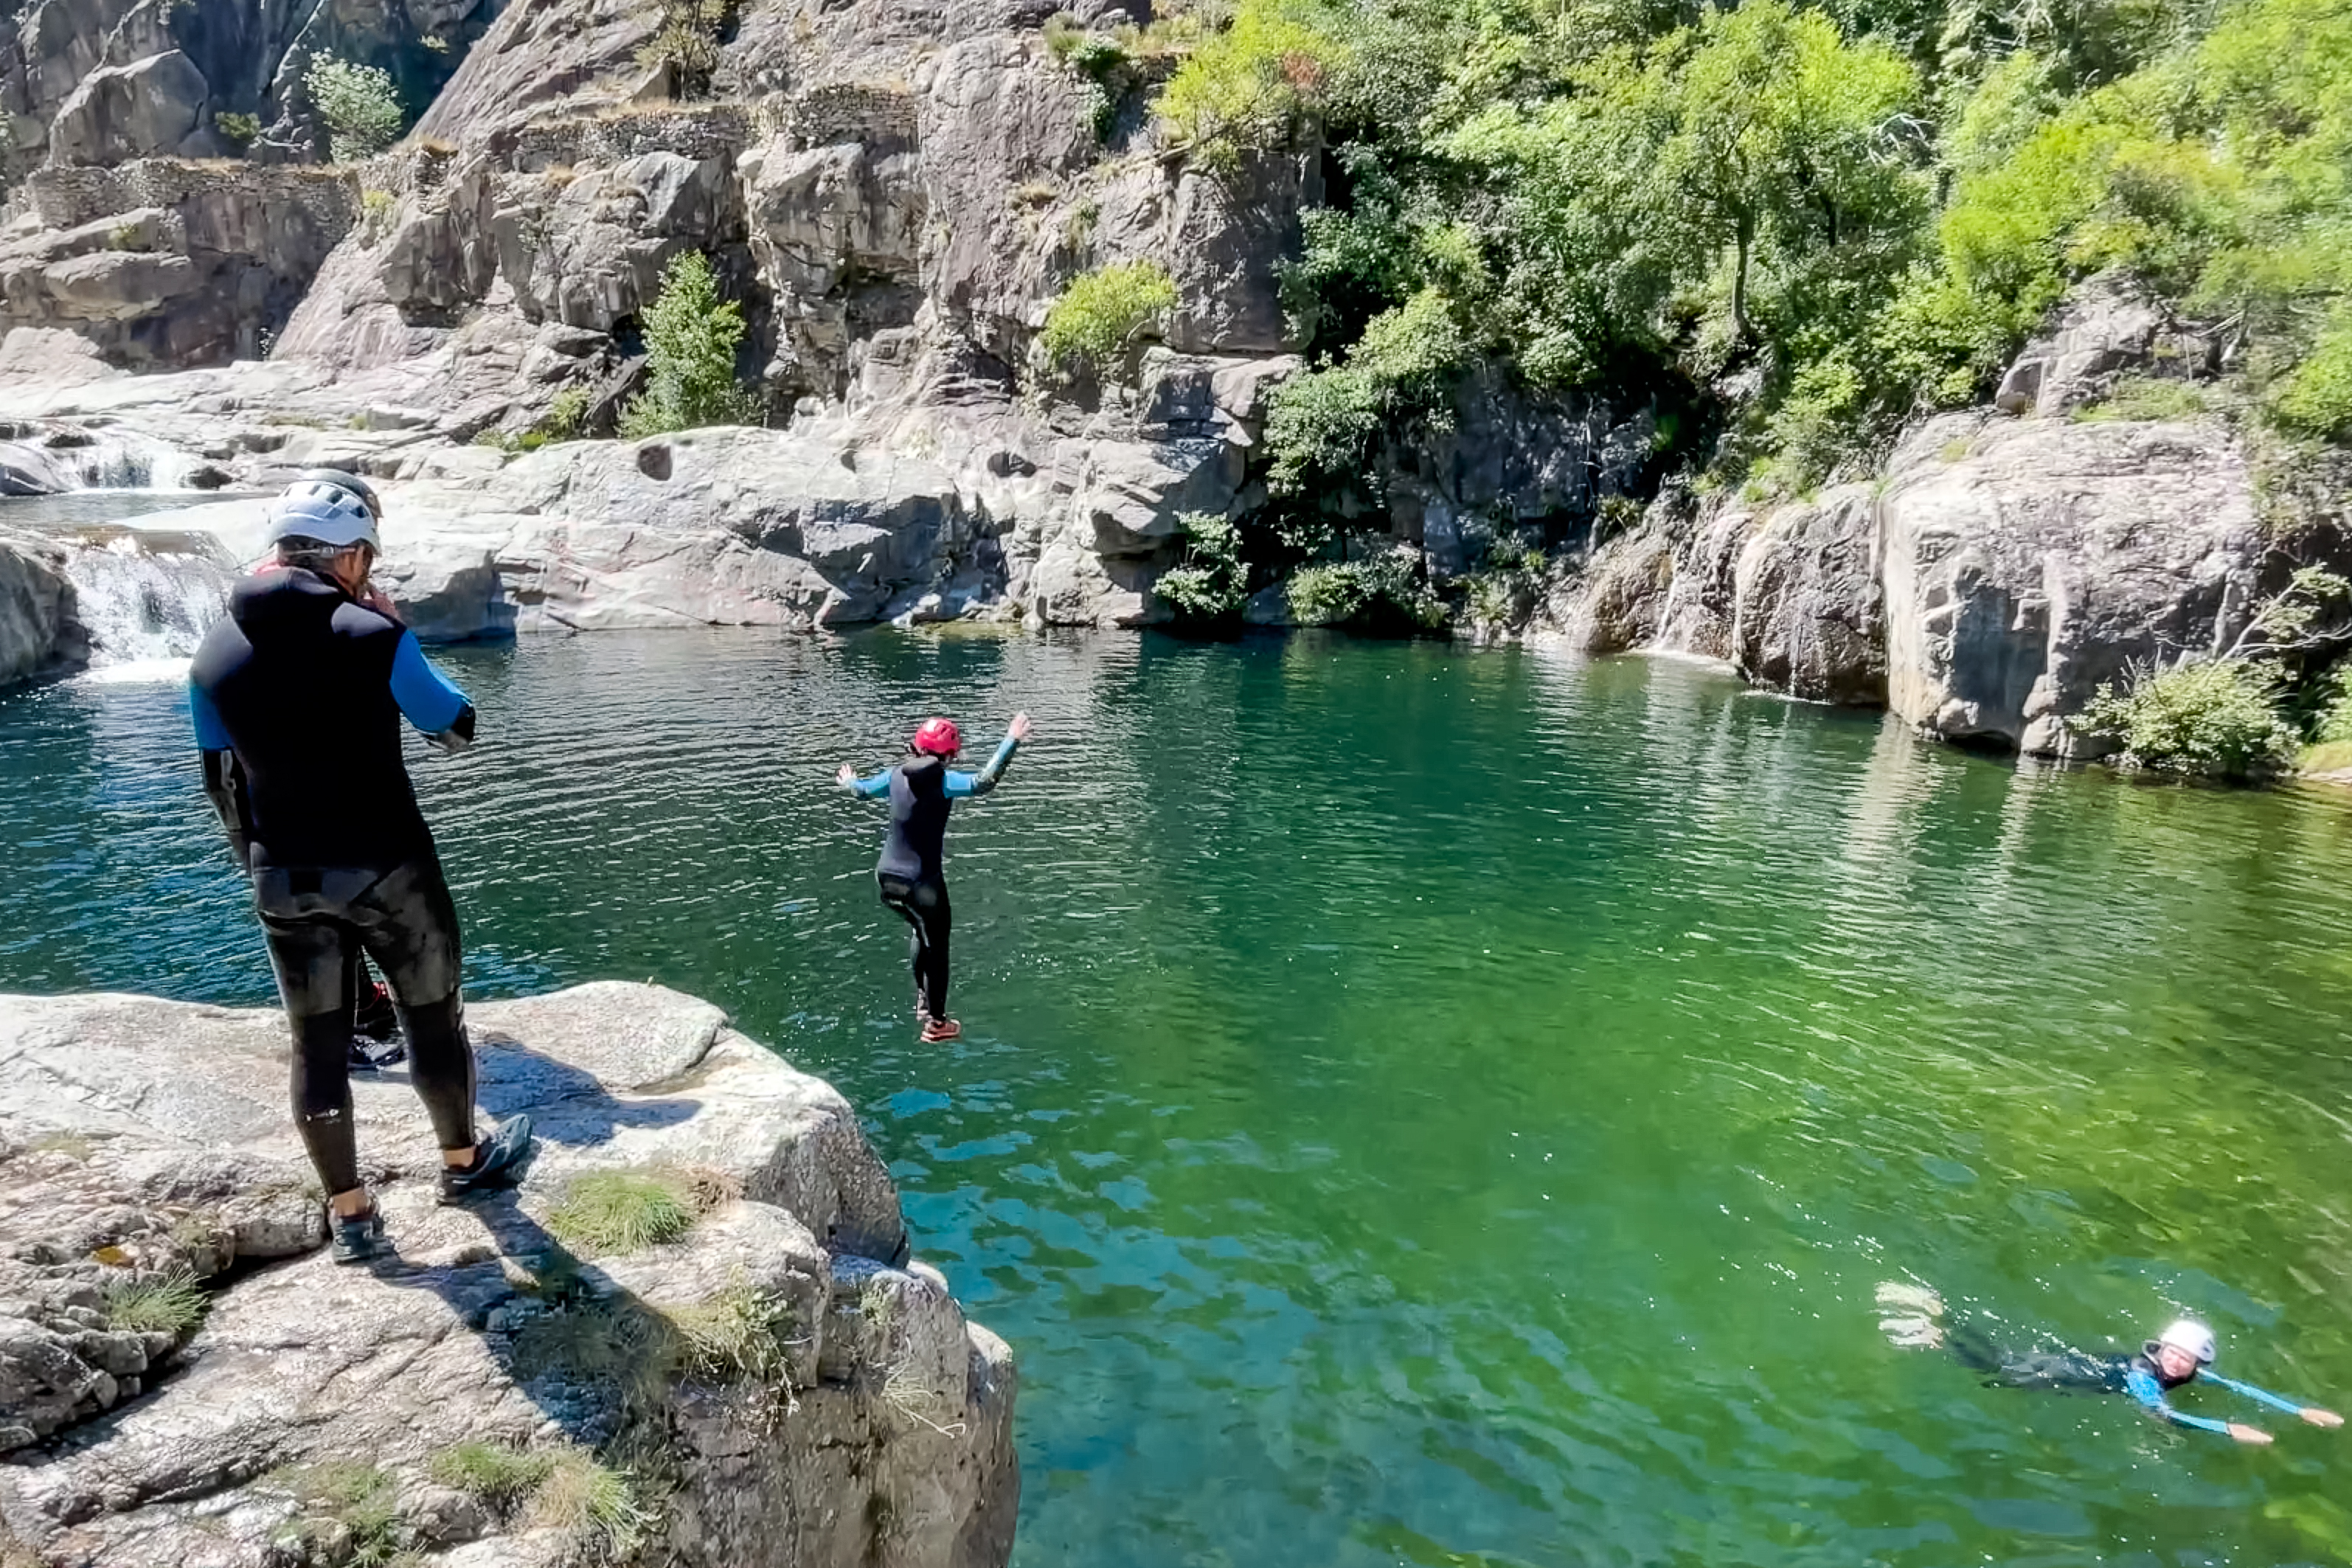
<point>1102,313</point>
<point>690,340</point>
<point>603,1213</point>
<point>359,105</point>
<point>159,1304</point>
<point>1246,89</point>
<point>1212,586</point>
<point>1827,217</point>
<point>2333,725</point>
<point>2146,397</point>
<point>499,1477</point>
<point>1381,595</point>
<point>2217,717</point>
<point>361,1499</point>
<point>567,415</point>
<point>584,1497</point>
<point>686,42</point>
<point>1329,432</point>
<point>2315,397</point>
<point>1101,61</point>
<point>739,1335</point>
<point>239,130</point>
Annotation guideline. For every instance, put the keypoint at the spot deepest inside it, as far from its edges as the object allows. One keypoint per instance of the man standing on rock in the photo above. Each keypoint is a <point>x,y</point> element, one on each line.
<point>296,698</point>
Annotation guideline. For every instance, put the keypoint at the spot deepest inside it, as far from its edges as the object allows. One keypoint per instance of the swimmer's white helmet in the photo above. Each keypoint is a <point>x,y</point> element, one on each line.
<point>2191,1338</point>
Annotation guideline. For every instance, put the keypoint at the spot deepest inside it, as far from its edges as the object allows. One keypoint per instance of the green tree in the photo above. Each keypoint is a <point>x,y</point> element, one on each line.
<point>691,335</point>
<point>359,105</point>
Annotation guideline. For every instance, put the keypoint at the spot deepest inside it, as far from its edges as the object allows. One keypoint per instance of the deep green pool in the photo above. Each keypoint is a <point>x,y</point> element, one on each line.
<point>1435,1107</point>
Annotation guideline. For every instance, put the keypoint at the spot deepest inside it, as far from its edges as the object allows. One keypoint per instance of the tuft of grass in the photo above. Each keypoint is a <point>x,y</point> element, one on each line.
<point>739,1335</point>
<point>498,1476</point>
<point>583,1497</point>
<point>1952,451</point>
<point>166,1304</point>
<point>2144,398</point>
<point>361,1497</point>
<point>603,1213</point>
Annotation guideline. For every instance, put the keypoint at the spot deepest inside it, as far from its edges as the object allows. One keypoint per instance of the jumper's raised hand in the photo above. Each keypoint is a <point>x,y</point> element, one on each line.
<point>2318,1417</point>
<point>1020,727</point>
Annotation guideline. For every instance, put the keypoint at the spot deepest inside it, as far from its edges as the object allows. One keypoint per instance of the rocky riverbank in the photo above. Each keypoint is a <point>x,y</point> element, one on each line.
<point>184,1378</point>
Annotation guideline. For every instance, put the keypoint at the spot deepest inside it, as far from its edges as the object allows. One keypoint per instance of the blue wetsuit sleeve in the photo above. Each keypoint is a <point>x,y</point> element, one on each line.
<point>878,785</point>
<point>2144,1387</point>
<point>2260,1395</point>
<point>211,735</point>
<point>423,693</point>
<point>961,787</point>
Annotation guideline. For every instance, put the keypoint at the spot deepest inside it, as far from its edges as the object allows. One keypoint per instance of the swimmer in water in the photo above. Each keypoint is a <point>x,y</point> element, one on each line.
<point>2182,1354</point>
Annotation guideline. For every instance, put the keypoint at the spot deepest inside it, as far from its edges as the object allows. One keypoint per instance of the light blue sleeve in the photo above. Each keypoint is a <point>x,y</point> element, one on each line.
<point>2260,1395</point>
<point>878,785</point>
<point>2150,1393</point>
<point>423,693</point>
<point>210,734</point>
<point>962,786</point>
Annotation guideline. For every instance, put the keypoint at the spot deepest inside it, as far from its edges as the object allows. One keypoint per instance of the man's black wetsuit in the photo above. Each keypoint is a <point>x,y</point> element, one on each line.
<point>911,872</point>
<point>297,698</point>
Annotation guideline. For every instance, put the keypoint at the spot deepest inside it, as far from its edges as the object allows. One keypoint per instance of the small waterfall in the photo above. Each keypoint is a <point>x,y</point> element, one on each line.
<point>123,461</point>
<point>144,602</point>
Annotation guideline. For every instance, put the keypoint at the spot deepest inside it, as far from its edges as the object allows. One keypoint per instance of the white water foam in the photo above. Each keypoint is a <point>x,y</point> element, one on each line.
<point>140,606</point>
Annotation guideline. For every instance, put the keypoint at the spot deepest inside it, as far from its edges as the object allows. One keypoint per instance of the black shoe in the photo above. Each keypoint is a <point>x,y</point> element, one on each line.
<point>358,1238</point>
<point>368,1055</point>
<point>498,1161</point>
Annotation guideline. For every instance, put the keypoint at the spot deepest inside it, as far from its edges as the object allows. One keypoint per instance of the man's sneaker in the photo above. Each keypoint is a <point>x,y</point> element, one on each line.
<point>358,1238</point>
<point>368,1055</point>
<point>937,1029</point>
<point>498,1161</point>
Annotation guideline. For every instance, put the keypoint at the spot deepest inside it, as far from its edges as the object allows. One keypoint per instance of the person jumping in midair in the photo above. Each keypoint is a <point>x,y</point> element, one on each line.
<point>921,790</point>
<point>2176,1358</point>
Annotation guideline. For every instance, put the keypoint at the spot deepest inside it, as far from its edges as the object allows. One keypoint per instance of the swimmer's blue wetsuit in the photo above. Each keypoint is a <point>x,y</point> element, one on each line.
<point>2080,1371</point>
<point>2141,1382</point>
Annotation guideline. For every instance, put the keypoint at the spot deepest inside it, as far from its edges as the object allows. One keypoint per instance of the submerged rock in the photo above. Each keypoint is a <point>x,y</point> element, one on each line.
<point>779,1383</point>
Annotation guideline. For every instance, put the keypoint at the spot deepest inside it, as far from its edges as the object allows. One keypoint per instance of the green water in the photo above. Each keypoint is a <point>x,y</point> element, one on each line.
<point>1431,1107</point>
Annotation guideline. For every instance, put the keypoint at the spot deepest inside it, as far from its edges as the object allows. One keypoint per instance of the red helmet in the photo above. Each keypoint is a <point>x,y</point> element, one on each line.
<point>939,737</point>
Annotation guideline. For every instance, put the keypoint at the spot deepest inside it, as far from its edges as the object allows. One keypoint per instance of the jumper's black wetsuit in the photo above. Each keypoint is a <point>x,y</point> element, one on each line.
<point>2081,1372</point>
<point>297,698</point>
<point>910,874</point>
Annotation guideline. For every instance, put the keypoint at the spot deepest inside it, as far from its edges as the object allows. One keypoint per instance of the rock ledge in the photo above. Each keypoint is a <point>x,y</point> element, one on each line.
<point>779,1384</point>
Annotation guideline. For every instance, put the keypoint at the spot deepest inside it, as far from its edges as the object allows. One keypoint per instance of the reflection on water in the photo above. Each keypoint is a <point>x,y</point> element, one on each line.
<point>1433,1107</point>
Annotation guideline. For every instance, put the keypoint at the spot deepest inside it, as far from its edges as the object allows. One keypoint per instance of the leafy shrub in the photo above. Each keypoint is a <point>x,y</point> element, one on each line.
<point>1101,61</point>
<point>567,415</point>
<point>377,210</point>
<point>1212,586</point>
<point>1382,594</point>
<point>359,105</point>
<point>238,130</point>
<point>2218,718</point>
<point>2316,397</point>
<point>1504,592</point>
<point>690,340</point>
<point>685,41</point>
<point>1244,89</point>
<point>1328,431</point>
<point>1102,313</point>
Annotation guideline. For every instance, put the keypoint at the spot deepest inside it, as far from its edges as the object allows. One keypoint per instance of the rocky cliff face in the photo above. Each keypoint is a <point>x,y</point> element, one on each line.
<point>184,1378</point>
<point>1984,590</point>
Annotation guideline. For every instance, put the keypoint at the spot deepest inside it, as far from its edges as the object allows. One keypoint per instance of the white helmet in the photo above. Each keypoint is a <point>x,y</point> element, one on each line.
<point>2190,1337</point>
<point>316,509</point>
